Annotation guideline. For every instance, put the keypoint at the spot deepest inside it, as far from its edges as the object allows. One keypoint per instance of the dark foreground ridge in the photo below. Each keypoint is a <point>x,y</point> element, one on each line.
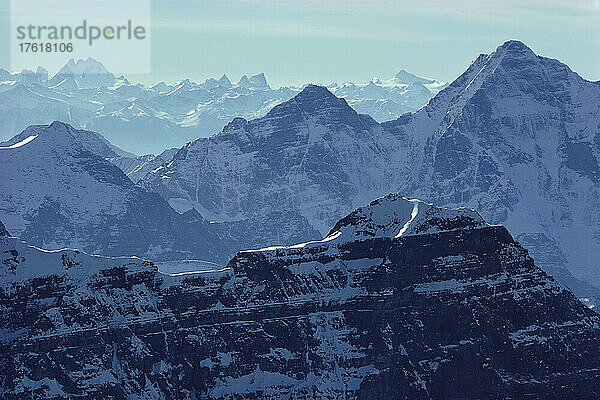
<point>404,300</point>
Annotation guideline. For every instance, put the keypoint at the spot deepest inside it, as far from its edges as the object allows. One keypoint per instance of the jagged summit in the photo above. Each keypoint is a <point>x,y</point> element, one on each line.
<point>317,99</point>
<point>395,216</point>
<point>88,66</point>
<point>410,78</point>
<point>258,81</point>
<point>88,73</point>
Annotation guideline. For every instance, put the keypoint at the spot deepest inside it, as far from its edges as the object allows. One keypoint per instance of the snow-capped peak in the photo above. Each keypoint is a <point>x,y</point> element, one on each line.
<point>259,81</point>
<point>224,81</point>
<point>87,66</point>
<point>408,78</point>
<point>86,73</point>
<point>396,216</point>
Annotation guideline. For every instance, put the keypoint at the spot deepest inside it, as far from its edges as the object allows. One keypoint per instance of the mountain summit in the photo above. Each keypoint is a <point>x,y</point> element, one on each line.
<point>87,73</point>
<point>298,150</point>
<point>515,137</point>
<point>57,190</point>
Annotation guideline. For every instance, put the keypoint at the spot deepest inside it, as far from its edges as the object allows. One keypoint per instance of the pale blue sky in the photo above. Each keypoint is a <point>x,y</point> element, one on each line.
<point>322,41</point>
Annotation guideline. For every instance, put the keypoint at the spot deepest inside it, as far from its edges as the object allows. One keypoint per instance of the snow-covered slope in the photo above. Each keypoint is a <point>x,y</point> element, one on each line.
<point>387,99</point>
<point>137,167</point>
<point>313,155</point>
<point>516,137</point>
<point>61,188</point>
<point>144,120</point>
<point>456,311</point>
<point>57,190</point>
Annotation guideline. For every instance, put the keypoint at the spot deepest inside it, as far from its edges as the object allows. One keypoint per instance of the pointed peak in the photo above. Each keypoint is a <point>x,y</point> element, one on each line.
<point>244,81</point>
<point>3,231</point>
<point>316,100</point>
<point>515,48</point>
<point>403,73</point>
<point>316,93</point>
<point>315,90</point>
<point>59,125</point>
<point>224,81</point>
<point>259,81</point>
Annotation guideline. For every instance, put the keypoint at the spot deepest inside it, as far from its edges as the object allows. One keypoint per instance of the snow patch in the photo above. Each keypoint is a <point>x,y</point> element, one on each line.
<point>21,143</point>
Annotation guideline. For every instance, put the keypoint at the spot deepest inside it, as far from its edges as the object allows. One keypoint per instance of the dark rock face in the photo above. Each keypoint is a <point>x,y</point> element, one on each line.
<point>460,311</point>
<point>3,231</point>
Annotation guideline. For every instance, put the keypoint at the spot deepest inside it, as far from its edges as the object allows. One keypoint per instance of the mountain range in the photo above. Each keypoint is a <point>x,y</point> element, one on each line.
<point>59,189</point>
<point>515,137</point>
<point>144,120</point>
<point>255,264</point>
<point>401,300</point>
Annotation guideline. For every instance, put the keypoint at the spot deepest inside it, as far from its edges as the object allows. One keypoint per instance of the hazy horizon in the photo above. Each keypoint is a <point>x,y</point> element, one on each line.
<point>295,43</point>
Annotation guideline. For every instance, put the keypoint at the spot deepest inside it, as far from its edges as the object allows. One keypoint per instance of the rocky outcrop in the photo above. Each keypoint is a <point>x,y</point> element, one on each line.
<point>449,307</point>
<point>3,231</point>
